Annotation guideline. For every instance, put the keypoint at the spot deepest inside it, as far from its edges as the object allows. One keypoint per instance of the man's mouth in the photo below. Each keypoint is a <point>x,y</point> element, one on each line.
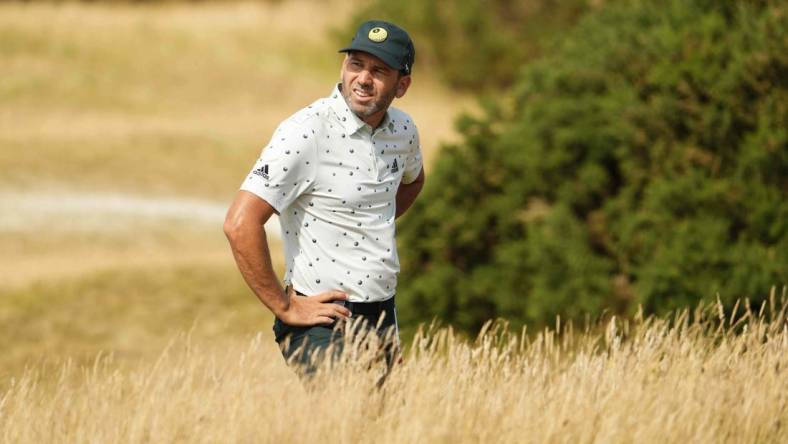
<point>361,94</point>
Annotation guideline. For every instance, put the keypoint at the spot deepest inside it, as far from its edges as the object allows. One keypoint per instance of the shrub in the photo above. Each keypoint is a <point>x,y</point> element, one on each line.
<point>476,44</point>
<point>643,161</point>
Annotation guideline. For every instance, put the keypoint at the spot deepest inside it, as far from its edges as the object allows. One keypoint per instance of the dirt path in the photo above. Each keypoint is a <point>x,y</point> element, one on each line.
<point>46,236</point>
<point>72,211</point>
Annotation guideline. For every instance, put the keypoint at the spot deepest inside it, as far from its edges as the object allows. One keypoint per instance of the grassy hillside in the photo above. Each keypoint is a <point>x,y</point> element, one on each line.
<point>136,103</point>
<point>171,99</point>
<point>129,312</point>
<point>124,132</point>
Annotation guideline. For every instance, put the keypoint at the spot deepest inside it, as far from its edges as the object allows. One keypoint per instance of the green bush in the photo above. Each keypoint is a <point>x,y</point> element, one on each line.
<point>476,44</point>
<point>644,161</point>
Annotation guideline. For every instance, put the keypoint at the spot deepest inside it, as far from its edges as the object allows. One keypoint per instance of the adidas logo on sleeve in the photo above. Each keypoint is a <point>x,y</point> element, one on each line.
<point>262,171</point>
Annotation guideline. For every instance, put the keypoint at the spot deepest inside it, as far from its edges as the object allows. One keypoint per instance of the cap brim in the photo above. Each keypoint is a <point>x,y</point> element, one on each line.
<point>376,51</point>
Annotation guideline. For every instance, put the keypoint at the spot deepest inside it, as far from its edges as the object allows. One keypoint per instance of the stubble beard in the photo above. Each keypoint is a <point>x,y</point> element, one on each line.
<point>374,107</point>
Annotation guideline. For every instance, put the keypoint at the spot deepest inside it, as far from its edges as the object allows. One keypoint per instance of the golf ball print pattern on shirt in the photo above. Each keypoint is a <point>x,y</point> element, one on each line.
<point>333,180</point>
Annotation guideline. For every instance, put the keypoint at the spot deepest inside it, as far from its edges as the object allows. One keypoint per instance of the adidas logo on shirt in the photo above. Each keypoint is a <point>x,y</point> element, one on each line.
<point>262,171</point>
<point>394,167</point>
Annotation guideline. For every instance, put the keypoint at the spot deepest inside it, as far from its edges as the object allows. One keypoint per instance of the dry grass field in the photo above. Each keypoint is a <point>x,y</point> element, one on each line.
<point>125,131</point>
<point>685,379</point>
<point>168,99</point>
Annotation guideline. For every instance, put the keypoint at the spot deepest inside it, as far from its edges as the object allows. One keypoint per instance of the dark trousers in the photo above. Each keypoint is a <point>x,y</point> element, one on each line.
<point>305,348</point>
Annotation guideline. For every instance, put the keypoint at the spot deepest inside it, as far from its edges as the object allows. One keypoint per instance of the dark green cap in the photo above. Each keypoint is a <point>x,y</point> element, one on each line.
<point>387,41</point>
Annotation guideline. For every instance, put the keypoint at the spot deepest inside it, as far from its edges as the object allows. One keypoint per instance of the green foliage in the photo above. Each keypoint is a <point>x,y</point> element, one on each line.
<point>644,161</point>
<point>476,43</point>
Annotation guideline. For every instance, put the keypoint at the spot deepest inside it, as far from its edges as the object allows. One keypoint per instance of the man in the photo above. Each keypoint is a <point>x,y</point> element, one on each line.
<point>338,173</point>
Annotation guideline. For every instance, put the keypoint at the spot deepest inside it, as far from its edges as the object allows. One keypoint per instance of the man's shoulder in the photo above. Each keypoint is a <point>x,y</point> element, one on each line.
<point>300,130</point>
<point>309,117</point>
<point>402,121</point>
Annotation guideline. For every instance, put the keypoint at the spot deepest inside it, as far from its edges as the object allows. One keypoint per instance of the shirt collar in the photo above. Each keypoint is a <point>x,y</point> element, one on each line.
<point>349,120</point>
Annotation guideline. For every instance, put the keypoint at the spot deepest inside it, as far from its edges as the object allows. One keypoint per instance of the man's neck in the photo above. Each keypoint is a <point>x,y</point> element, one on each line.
<point>374,121</point>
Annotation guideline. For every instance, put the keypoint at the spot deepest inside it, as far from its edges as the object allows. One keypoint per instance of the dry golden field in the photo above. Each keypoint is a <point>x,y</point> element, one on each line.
<point>126,129</point>
<point>684,379</point>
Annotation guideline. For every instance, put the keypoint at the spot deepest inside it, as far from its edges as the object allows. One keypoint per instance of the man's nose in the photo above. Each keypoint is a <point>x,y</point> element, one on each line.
<point>364,77</point>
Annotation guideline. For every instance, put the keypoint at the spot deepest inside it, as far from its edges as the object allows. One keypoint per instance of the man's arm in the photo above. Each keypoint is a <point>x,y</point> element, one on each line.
<point>243,227</point>
<point>407,193</point>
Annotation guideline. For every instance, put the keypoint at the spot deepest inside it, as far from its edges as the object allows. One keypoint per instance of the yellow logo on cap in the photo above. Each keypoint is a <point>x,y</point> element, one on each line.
<point>378,34</point>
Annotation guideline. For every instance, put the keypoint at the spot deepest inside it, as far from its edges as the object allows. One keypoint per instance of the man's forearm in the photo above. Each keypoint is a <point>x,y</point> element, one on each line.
<point>251,252</point>
<point>407,193</point>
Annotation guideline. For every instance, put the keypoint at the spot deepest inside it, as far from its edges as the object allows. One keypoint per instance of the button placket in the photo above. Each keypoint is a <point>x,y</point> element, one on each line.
<point>373,158</point>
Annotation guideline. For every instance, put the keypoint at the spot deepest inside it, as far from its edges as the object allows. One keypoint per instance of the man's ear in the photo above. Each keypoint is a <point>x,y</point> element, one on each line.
<point>343,65</point>
<point>402,86</point>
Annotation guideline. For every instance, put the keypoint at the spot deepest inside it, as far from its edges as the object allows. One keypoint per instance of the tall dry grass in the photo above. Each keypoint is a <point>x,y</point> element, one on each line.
<point>698,376</point>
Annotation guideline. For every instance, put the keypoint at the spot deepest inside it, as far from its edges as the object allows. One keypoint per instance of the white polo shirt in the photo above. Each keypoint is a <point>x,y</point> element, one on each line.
<point>333,180</point>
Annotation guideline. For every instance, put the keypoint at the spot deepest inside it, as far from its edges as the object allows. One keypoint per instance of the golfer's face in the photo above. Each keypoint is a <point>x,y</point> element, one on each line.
<point>369,85</point>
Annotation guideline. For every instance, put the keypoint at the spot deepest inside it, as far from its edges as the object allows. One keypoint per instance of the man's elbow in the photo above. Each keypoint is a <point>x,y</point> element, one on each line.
<point>234,225</point>
<point>246,217</point>
<point>230,228</point>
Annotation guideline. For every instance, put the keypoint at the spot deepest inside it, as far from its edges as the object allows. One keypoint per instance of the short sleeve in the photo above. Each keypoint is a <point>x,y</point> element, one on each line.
<point>413,162</point>
<point>286,167</point>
